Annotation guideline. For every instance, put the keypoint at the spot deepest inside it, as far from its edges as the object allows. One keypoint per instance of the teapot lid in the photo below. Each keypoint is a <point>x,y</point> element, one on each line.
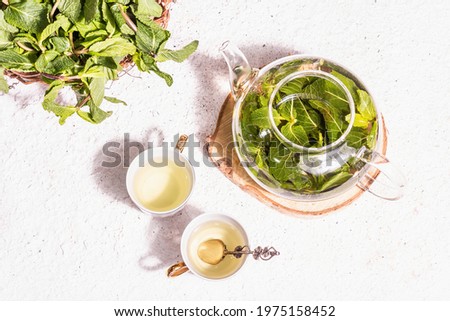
<point>287,95</point>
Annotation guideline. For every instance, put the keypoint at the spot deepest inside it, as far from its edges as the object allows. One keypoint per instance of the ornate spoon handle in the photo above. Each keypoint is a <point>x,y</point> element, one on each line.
<point>264,254</point>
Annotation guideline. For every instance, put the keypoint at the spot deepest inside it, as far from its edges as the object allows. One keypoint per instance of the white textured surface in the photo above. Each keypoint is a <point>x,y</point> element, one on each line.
<point>69,231</point>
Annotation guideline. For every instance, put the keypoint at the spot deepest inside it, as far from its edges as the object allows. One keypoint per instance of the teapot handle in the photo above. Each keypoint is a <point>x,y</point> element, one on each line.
<point>240,71</point>
<point>386,182</point>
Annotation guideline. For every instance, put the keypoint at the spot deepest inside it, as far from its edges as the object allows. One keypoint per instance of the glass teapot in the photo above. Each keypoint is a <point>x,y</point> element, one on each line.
<point>307,129</point>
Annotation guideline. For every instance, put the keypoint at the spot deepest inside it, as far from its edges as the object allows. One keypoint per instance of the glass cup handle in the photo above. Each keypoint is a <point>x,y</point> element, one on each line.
<point>181,142</point>
<point>386,181</point>
<point>177,269</point>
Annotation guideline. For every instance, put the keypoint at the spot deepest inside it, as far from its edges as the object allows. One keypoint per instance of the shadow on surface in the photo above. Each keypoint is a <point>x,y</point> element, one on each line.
<point>110,171</point>
<point>212,76</point>
<point>164,238</point>
<point>26,95</point>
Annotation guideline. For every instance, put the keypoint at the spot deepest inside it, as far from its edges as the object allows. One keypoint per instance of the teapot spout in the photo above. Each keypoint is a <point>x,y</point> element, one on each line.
<point>238,66</point>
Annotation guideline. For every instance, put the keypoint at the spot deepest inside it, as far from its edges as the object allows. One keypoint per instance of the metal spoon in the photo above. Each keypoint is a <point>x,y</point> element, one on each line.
<point>214,251</point>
